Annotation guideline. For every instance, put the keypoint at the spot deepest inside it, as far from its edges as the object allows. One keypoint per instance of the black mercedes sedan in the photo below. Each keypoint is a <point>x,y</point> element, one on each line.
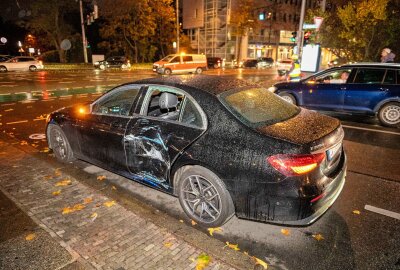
<point>222,146</point>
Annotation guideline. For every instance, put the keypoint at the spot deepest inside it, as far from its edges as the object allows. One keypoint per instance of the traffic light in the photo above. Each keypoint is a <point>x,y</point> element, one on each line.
<point>293,38</point>
<point>306,38</point>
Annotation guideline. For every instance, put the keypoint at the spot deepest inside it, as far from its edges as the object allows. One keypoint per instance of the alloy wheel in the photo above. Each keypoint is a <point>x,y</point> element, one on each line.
<point>59,144</point>
<point>391,114</point>
<point>201,198</point>
<point>288,99</point>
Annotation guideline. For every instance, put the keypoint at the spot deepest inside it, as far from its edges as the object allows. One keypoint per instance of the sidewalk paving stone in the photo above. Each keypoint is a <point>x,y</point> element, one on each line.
<point>117,238</point>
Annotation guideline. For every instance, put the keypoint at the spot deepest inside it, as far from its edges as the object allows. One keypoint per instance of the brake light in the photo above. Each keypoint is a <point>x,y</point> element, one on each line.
<point>293,164</point>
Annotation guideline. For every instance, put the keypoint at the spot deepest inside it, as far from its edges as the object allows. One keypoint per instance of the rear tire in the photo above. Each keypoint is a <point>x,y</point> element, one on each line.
<point>167,71</point>
<point>215,66</point>
<point>199,70</point>
<point>32,68</point>
<point>204,197</point>
<point>389,114</point>
<point>59,144</point>
<point>3,69</point>
<point>102,67</point>
<point>288,97</point>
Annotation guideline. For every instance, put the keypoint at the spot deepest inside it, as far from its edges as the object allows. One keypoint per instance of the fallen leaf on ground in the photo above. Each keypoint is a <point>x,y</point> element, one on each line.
<point>87,200</point>
<point>261,262</point>
<point>56,193</point>
<point>23,143</point>
<point>45,150</point>
<point>93,216</point>
<point>113,188</point>
<point>30,237</point>
<point>57,172</point>
<point>76,207</point>
<point>318,237</point>
<point>232,246</point>
<point>202,261</point>
<point>212,230</point>
<point>181,221</point>
<point>168,244</point>
<point>47,177</point>
<point>194,223</point>
<point>285,232</point>
<point>63,183</point>
<point>245,253</point>
<point>101,177</point>
<point>109,203</point>
<point>357,212</point>
<point>8,110</point>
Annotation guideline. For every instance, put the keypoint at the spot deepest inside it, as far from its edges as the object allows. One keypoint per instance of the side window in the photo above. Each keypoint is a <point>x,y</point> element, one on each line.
<point>369,76</point>
<point>337,76</point>
<point>191,115</point>
<point>390,77</point>
<point>117,102</point>
<point>187,58</point>
<point>176,59</point>
<point>164,104</point>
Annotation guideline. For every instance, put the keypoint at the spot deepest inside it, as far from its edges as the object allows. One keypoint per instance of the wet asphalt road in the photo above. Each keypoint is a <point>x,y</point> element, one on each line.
<point>368,240</point>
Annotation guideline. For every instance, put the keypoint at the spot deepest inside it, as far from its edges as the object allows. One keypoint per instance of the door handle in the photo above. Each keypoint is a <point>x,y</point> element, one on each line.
<point>343,88</point>
<point>384,89</point>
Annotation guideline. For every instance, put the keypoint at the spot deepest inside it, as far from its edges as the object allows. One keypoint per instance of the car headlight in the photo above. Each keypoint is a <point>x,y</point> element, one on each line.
<point>272,89</point>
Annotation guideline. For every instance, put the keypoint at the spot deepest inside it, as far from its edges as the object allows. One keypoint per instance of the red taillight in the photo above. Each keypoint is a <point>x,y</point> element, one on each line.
<point>292,164</point>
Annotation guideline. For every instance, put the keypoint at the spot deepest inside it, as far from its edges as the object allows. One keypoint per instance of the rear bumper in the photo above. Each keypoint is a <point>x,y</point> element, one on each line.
<point>286,207</point>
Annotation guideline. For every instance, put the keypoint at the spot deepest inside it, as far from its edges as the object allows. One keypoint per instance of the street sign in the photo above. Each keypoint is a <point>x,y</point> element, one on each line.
<point>318,21</point>
<point>309,26</point>
<point>31,50</point>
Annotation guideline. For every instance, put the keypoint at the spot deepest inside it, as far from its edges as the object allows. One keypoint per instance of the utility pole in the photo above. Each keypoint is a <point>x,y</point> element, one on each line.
<point>323,5</point>
<point>177,26</point>
<point>83,34</point>
<point>300,33</point>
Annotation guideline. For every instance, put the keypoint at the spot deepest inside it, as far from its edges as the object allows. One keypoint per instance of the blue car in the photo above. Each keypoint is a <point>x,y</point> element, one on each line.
<point>371,89</point>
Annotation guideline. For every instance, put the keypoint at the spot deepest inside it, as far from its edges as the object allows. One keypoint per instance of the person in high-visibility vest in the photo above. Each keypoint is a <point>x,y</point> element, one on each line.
<point>295,72</point>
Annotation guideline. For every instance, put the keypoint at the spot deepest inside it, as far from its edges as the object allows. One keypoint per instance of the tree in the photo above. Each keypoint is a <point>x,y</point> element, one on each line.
<point>138,28</point>
<point>243,20</point>
<point>49,20</point>
<point>362,23</point>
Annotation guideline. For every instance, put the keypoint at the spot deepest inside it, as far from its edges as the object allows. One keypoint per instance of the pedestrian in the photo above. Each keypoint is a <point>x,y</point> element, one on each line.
<point>387,56</point>
<point>294,72</point>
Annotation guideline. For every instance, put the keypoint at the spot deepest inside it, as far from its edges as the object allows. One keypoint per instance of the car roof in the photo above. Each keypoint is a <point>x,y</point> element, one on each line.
<point>212,84</point>
<point>373,64</point>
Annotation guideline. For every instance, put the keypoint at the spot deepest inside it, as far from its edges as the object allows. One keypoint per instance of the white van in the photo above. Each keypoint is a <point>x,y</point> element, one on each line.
<point>181,63</point>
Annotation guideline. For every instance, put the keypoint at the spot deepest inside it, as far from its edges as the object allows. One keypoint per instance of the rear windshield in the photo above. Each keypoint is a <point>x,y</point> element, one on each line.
<point>258,106</point>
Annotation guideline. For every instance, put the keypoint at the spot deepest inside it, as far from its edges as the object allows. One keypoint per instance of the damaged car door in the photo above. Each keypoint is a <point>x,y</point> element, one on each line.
<point>101,132</point>
<point>170,120</point>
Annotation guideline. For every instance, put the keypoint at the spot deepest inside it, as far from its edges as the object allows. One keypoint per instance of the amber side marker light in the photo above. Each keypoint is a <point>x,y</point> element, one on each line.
<point>81,110</point>
<point>294,165</point>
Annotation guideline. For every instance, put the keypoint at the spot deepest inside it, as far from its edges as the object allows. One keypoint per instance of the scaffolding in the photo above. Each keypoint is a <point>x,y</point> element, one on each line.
<point>213,37</point>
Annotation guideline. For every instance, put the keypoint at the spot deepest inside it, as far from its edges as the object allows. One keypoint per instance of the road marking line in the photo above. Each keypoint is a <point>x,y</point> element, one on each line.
<point>39,119</point>
<point>370,129</point>
<point>8,104</point>
<point>382,211</point>
<point>16,122</point>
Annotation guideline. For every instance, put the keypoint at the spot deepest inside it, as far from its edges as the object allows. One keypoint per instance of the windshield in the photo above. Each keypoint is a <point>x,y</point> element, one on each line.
<point>258,106</point>
<point>168,57</point>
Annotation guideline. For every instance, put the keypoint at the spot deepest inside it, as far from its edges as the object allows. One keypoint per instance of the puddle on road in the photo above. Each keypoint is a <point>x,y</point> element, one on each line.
<point>44,95</point>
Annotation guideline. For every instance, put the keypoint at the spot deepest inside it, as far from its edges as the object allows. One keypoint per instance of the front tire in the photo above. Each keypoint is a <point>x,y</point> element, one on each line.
<point>288,97</point>
<point>3,69</point>
<point>59,144</point>
<point>204,197</point>
<point>167,71</point>
<point>389,114</point>
<point>32,68</point>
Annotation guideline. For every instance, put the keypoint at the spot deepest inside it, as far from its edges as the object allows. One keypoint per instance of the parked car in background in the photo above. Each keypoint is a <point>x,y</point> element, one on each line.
<point>113,62</point>
<point>265,62</point>
<point>214,62</point>
<point>181,63</point>
<point>21,63</point>
<point>284,64</point>
<point>5,57</point>
<point>370,89</point>
<point>221,145</point>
